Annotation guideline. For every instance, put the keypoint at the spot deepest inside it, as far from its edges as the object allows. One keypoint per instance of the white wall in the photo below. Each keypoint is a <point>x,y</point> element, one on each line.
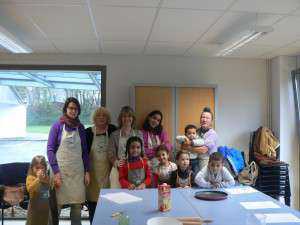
<point>241,84</point>
<point>284,118</point>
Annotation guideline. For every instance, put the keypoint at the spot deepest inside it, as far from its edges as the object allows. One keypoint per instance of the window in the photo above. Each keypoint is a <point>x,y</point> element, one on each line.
<point>296,87</point>
<point>31,100</point>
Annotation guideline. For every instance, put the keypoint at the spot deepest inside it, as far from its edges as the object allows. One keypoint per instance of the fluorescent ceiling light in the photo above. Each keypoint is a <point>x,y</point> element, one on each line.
<point>243,39</point>
<point>8,41</point>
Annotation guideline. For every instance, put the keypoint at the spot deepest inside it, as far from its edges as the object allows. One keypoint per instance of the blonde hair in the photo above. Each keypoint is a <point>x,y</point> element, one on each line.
<point>39,159</point>
<point>126,110</point>
<point>101,110</point>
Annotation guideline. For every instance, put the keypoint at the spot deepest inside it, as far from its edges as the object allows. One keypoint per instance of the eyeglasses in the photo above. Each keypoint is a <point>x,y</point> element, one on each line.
<point>72,108</point>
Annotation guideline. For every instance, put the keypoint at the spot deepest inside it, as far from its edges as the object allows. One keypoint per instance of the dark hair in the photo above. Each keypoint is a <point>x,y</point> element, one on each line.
<point>156,130</point>
<point>68,101</point>
<point>208,110</point>
<point>161,148</point>
<point>126,110</point>
<point>216,156</point>
<point>181,152</point>
<point>130,141</point>
<point>189,126</point>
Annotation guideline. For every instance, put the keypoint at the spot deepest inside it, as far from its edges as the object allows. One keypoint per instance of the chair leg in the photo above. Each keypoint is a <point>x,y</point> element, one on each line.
<point>2,216</point>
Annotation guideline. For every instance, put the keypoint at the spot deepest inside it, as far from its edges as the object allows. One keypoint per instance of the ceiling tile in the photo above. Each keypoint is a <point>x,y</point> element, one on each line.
<point>203,50</point>
<point>233,23</point>
<point>61,21</point>
<point>174,25</point>
<point>15,20</point>
<point>123,47</point>
<point>41,46</point>
<point>122,23</point>
<point>285,32</point>
<point>167,48</point>
<point>266,6</point>
<point>76,45</point>
<point>197,4</point>
<point>44,2</point>
<point>136,3</point>
<point>288,50</point>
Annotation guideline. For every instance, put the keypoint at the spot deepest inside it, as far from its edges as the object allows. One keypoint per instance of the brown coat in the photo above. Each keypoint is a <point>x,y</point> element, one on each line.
<point>38,209</point>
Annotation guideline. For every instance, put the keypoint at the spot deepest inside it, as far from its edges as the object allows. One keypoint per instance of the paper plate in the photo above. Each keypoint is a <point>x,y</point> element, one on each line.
<point>211,195</point>
<point>163,221</point>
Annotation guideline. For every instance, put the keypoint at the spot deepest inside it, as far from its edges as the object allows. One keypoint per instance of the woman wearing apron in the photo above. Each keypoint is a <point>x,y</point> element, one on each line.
<point>100,167</point>
<point>117,142</point>
<point>69,160</point>
<point>153,136</point>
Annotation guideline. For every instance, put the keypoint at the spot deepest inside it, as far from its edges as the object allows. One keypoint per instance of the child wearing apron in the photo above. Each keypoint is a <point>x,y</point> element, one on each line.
<point>183,177</point>
<point>134,173</point>
<point>37,184</point>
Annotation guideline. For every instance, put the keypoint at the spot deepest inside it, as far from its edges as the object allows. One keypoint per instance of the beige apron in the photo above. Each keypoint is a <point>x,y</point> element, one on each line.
<point>69,159</point>
<point>100,167</point>
<point>114,175</point>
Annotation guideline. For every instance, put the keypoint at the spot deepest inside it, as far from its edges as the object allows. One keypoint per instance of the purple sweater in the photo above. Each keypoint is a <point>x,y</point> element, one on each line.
<point>210,140</point>
<point>163,137</point>
<point>54,142</point>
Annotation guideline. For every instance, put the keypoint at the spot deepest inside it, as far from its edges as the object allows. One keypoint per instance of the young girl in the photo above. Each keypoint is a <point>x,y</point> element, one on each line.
<point>162,173</point>
<point>215,175</point>
<point>134,173</point>
<point>183,177</point>
<point>37,184</point>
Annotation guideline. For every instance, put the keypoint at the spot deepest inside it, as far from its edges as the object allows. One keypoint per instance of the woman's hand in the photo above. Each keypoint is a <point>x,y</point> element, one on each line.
<point>87,178</point>
<point>141,186</point>
<point>131,186</point>
<point>57,180</point>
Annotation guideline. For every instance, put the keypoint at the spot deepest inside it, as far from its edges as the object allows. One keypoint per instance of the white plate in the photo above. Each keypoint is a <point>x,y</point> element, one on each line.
<point>163,221</point>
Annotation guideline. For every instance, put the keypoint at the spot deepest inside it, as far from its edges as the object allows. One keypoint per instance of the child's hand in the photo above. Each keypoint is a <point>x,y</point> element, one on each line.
<point>131,186</point>
<point>216,184</point>
<point>121,162</point>
<point>141,186</point>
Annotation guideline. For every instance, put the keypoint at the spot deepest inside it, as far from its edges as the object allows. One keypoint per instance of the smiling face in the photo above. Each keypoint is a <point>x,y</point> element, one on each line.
<point>206,120</point>
<point>135,149</point>
<point>183,161</point>
<point>154,120</point>
<point>101,120</point>
<point>72,110</point>
<point>163,157</point>
<point>127,120</point>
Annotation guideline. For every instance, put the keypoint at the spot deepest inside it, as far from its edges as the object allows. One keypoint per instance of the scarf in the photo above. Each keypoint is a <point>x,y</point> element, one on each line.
<point>73,123</point>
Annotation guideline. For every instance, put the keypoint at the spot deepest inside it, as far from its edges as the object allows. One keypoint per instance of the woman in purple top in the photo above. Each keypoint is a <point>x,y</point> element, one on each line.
<point>69,160</point>
<point>154,135</point>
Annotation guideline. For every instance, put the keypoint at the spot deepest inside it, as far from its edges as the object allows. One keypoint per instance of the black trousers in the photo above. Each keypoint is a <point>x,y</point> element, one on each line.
<point>92,207</point>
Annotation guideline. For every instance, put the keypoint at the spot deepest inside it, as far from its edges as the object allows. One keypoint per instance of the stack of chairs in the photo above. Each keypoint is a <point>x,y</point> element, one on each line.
<point>13,174</point>
<point>273,178</point>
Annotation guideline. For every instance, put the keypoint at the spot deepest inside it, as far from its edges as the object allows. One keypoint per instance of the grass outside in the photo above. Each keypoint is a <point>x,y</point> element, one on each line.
<point>38,129</point>
<point>42,129</point>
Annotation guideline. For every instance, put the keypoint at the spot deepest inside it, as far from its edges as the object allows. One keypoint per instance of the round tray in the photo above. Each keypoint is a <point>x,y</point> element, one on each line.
<point>211,195</point>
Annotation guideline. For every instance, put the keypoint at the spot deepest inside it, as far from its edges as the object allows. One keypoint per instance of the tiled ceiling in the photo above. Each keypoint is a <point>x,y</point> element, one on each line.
<point>152,27</point>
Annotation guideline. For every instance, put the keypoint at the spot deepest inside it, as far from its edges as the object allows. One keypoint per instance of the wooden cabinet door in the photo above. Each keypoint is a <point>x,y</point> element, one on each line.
<point>190,103</point>
<point>149,98</point>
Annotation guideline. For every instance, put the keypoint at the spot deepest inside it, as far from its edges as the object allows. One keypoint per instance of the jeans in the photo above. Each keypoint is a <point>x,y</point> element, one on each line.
<point>92,207</point>
<point>195,165</point>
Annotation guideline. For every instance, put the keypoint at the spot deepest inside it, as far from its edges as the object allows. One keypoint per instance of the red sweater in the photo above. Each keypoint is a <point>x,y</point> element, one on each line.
<point>123,172</point>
